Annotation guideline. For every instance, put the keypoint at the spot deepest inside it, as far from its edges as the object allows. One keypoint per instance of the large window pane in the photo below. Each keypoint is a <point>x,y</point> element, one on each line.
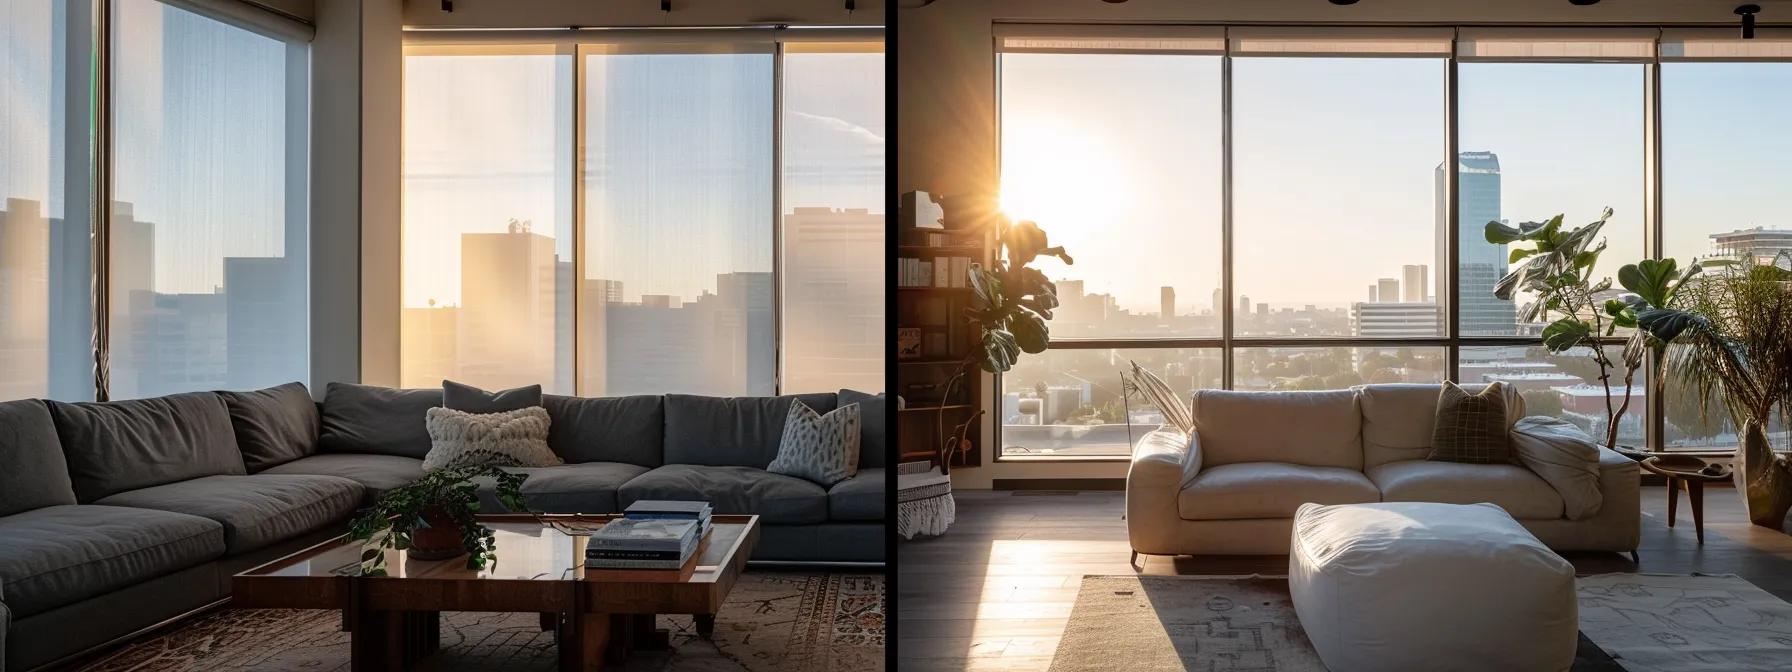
<point>677,289</point>
<point>1723,195</point>
<point>1071,402</point>
<point>44,306</point>
<point>833,218</point>
<point>1117,157</point>
<point>209,233</point>
<point>1334,229</point>
<point>1565,386</point>
<point>1541,139</point>
<point>488,263</point>
<point>1334,368</point>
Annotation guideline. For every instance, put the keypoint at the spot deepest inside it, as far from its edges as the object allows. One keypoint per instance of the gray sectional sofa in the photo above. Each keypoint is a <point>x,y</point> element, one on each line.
<point>117,516</point>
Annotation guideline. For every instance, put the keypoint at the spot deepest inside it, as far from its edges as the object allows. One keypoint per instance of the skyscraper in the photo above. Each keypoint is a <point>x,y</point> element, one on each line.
<point>1388,289</point>
<point>1167,302</point>
<point>1219,302</point>
<point>1480,264</point>
<point>506,335</point>
<point>1244,307</point>
<point>1414,283</point>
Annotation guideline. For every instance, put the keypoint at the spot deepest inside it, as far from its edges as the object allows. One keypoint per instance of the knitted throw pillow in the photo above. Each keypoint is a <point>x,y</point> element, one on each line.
<point>818,447</point>
<point>516,438</point>
<point>1471,428</point>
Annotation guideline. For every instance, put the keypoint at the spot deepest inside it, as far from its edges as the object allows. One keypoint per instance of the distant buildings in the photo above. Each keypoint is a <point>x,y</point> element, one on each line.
<point>1167,302</point>
<point>1393,320</point>
<point>1758,245</point>
<point>1413,276</point>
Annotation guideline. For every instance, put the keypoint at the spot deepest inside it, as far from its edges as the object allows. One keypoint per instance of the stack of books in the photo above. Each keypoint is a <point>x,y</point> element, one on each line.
<point>633,543</point>
<point>655,509</point>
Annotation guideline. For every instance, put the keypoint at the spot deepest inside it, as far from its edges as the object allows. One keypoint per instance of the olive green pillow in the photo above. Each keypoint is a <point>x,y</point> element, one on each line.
<point>1471,428</point>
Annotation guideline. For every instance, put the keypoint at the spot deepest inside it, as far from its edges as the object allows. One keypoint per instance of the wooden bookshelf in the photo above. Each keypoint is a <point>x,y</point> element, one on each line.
<point>946,338</point>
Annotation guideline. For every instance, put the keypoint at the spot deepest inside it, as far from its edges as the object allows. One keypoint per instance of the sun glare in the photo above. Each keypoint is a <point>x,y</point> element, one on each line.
<point>1060,176</point>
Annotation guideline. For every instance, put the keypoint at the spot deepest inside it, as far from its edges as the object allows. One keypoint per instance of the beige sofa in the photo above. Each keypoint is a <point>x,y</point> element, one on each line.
<point>1263,454</point>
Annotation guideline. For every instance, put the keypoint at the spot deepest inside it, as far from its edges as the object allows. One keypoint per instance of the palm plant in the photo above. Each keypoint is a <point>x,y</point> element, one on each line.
<point>1558,270</point>
<point>1727,335</point>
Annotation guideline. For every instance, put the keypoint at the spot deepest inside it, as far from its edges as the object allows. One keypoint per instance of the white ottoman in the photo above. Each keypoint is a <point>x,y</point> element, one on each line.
<point>1422,586</point>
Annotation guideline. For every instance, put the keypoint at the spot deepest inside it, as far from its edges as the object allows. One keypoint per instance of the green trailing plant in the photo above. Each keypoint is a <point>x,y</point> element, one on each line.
<point>1726,336</point>
<point>1011,306</point>
<point>450,492</point>
<point>1557,270</point>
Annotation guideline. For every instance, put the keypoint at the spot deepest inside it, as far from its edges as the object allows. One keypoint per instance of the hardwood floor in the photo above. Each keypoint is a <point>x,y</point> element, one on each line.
<point>994,593</point>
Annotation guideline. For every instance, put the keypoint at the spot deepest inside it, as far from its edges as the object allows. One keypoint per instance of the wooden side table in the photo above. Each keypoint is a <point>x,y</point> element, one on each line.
<point>1685,472</point>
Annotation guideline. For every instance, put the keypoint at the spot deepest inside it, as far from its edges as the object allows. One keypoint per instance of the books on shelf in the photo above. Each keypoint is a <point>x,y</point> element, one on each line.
<point>643,543</point>
<point>945,272</point>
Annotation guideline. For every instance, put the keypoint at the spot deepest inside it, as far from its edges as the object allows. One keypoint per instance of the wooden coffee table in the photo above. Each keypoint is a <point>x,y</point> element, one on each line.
<point>599,616</point>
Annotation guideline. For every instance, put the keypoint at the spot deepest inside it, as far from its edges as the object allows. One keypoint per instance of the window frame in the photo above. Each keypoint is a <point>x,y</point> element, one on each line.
<point>1065,38</point>
<point>582,43</point>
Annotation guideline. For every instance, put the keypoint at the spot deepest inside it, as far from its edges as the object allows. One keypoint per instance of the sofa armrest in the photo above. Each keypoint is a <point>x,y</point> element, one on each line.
<point>1610,459</point>
<point>1153,483</point>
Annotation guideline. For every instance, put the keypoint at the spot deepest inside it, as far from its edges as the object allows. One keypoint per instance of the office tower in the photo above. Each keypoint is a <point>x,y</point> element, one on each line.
<point>1480,264</point>
<point>1219,302</point>
<point>1388,289</point>
<point>1167,302</point>
<point>1758,245</point>
<point>1262,309</point>
<point>837,338</point>
<point>1372,295</point>
<point>24,299</point>
<point>260,342</point>
<point>1389,319</point>
<point>1244,307</point>
<point>1414,283</point>
<point>505,335</point>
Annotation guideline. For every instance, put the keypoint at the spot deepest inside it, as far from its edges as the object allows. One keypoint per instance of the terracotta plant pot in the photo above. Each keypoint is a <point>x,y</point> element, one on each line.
<point>439,541</point>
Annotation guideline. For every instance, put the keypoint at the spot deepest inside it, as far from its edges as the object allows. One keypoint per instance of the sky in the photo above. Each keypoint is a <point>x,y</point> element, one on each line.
<point>1118,158</point>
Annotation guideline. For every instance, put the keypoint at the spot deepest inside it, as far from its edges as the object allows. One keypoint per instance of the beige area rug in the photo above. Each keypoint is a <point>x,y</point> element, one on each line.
<point>771,621</point>
<point>1633,622</point>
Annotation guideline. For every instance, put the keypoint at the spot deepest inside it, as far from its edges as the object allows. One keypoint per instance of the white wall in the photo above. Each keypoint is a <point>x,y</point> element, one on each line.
<point>945,92</point>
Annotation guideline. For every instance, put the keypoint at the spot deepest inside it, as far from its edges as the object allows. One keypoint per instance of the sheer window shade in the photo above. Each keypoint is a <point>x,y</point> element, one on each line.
<point>1048,39</point>
<point>1725,44</point>
<point>1630,45</point>
<point>1338,41</point>
<point>251,16</point>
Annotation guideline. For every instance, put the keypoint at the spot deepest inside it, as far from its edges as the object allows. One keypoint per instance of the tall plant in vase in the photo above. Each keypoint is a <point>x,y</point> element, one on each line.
<point>1011,305</point>
<point>1557,270</point>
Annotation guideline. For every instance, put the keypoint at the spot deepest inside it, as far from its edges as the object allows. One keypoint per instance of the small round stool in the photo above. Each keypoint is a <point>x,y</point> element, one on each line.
<point>1685,472</point>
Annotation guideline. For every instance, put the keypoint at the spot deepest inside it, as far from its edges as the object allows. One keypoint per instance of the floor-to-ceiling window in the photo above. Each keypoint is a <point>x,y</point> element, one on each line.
<point>45,314</point>
<point>190,138</point>
<point>615,213</point>
<point>1303,208</point>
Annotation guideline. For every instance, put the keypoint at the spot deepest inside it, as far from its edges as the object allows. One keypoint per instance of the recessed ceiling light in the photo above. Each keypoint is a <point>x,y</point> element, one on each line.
<point>1343,2</point>
<point>1583,3</point>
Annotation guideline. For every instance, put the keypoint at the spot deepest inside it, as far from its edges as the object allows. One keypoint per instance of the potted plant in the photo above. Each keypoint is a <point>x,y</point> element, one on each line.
<point>1558,271</point>
<point>433,518</point>
<point>1011,303</point>
<point>1727,335</point>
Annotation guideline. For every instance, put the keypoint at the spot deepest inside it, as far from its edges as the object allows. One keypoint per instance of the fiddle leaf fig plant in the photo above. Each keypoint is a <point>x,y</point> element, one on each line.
<point>449,494</point>
<point>1012,301</point>
<point>1557,271</point>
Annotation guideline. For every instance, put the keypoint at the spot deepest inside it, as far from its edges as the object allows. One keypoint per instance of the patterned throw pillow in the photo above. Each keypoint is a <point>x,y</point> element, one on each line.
<point>516,438</point>
<point>1471,428</point>
<point>818,447</point>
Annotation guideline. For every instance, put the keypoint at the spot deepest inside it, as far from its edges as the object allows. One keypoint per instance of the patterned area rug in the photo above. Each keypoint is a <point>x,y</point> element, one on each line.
<point>1211,624</point>
<point>1678,623</point>
<point>771,621</point>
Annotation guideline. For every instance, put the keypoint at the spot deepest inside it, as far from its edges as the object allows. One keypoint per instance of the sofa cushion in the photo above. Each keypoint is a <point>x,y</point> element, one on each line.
<point>256,511</point>
<point>1471,427</point>
<point>607,429</point>
<point>776,499</point>
<point>873,411</point>
<point>59,555</point>
<point>858,498</point>
<point>378,420</point>
<point>376,473</point>
<point>1254,427</point>
<point>36,474</point>
<point>125,445</point>
<point>463,397</point>
<point>1511,487</point>
<point>273,426</point>
<point>1269,490</point>
<point>731,431</point>
<point>1398,419</point>
<point>586,487</point>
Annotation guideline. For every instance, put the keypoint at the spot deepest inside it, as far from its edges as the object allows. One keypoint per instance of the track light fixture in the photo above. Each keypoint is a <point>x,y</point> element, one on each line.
<point>1343,2</point>
<point>666,6</point>
<point>1583,3</point>
<point>1748,12</point>
<point>448,6</point>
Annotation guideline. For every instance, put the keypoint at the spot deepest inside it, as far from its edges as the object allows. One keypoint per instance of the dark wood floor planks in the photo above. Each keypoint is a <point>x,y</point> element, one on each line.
<point>994,593</point>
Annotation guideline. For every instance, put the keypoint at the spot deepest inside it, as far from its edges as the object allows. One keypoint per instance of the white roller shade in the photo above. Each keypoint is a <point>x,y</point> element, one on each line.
<point>1725,44</point>
<point>1341,41</point>
<point>252,16</point>
<point>1055,39</point>
<point>1557,44</point>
